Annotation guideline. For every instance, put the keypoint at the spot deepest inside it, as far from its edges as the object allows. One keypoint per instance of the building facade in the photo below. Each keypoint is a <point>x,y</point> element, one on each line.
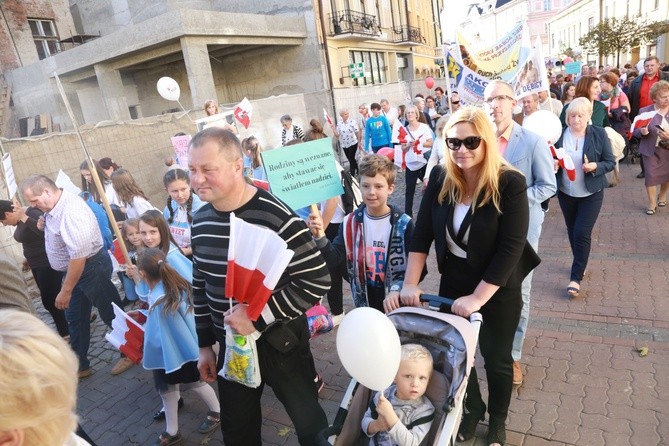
<point>223,50</point>
<point>576,20</point>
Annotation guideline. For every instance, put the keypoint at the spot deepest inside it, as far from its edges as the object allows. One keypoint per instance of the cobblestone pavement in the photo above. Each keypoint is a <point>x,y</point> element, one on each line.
<point>585,383</point>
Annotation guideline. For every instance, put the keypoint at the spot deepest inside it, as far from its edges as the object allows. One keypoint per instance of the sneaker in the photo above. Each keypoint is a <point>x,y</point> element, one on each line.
<point>336,319</point>
<point>85,373</point>
<point>122,365</point>
<point>166,439</point>
<point>517,374</point>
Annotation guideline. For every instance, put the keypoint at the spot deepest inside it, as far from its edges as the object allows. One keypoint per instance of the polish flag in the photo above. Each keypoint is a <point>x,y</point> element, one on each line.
<point>642,120</point>
<point>400,133</point>
<point>565,161</point>
<point>243,112</point>
<point>327,118</point>
<point>126,335</point>
<point>257,257</point>
<point>262,184</point>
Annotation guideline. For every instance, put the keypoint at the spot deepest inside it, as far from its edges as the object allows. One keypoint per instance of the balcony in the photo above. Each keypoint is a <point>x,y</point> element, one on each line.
<point>347,23</point>
<point>408,35</point>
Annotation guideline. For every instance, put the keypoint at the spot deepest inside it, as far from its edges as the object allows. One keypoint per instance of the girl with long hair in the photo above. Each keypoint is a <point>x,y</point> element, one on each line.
<point>253,149</point>
<point>171,348</point>
<point>182,203</point>
<point>131,196</point>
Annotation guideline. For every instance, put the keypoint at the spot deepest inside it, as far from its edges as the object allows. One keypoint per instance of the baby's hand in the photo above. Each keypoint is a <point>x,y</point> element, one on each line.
<point>386,412</point>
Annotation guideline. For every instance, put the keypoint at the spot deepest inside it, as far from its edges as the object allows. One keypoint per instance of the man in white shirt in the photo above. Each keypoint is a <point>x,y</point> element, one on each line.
<point>389,112</point>
<point>550,104</point>
<point>74,245</point>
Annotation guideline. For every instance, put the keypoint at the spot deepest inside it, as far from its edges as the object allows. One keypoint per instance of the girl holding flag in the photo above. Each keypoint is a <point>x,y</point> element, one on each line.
<point>170,344</point>
<point>651,127</point>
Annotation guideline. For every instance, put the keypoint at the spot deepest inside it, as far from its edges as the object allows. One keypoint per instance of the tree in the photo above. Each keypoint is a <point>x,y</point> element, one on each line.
<point>617,34</point>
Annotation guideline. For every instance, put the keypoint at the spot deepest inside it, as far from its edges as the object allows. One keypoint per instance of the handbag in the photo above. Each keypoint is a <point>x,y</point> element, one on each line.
<point>240,363</point>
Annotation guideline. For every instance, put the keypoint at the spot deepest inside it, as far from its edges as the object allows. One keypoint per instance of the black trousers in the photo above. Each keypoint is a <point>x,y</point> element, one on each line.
<point>336,294</point>
<point>291,376</point>
<point>500,320</point>
<point>350,156</point>
<point>411,176</point>
<point>49,281</point>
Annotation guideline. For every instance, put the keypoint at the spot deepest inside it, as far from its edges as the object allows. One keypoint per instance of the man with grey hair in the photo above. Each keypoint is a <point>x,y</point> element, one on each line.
<point>74,245</point>
<point>530,154</point>
<point>389,112</point>
<point>548,103</point>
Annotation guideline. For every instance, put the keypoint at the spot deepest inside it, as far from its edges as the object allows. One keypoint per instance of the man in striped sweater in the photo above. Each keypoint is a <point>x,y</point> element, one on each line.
<point>286,363</point>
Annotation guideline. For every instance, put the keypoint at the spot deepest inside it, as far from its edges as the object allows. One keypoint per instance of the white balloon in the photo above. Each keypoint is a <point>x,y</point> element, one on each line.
<point>369,348</point>
<point>544,123</point>
<point>168,88</point>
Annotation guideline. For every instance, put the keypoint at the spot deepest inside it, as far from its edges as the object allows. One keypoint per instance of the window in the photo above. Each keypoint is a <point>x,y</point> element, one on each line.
<point>547,5</point>
<point>591,23</point>
<point>45,37</point>
<point>375,67</point>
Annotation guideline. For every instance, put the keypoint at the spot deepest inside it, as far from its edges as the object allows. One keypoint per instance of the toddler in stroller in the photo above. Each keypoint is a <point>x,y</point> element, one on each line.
<point>402,414</point>
<point>451,340</point>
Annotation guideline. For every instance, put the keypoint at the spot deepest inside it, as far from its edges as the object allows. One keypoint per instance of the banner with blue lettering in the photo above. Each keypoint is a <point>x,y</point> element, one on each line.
<point>469,84</point>
<point>497,61</point>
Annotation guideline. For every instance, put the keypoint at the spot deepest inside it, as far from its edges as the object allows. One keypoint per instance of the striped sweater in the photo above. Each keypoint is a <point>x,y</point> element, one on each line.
<point>303,283</point>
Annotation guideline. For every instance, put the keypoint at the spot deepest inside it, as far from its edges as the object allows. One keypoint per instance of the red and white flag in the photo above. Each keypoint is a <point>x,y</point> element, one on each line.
<point>257,257</point>
<point>400,133</point>
<point>126,335</point>
<point>327,117</point>
<point>243,112</point>
<point>565,161</point>
<point>642,120</point>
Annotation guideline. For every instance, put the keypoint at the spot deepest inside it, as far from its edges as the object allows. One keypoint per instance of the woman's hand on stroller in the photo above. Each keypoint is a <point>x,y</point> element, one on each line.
<point>466,305</point>
<point>410,295</point>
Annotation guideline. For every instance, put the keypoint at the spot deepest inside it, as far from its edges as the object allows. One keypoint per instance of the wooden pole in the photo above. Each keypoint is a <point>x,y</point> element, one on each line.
<point>94,172</point>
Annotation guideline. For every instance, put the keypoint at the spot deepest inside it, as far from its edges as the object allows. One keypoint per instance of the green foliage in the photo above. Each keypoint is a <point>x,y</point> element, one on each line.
<point>617,34</point>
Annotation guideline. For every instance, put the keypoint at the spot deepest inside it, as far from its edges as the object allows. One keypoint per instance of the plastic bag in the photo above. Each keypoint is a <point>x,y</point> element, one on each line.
<point>240,363</point>
<point>319,320</point>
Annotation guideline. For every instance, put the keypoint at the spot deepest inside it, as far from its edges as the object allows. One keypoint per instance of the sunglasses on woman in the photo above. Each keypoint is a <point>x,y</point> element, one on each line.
<point>470,142</point>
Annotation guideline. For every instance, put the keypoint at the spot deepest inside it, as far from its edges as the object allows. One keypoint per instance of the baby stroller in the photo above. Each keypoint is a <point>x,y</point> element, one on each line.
<point>452,341</point>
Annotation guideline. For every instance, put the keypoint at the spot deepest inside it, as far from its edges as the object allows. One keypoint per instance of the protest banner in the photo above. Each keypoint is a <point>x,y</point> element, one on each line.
<point>303,174</point>
<point>532,76</point>
<point>572,67</point>
<point>10,179</point>
<point>224,120</point>
<point>467,83</point>
<point>180,144</point>
<point>497,61</point>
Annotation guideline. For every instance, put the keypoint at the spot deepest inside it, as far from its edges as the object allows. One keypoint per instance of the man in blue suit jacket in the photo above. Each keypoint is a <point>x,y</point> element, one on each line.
<point>529,153</point>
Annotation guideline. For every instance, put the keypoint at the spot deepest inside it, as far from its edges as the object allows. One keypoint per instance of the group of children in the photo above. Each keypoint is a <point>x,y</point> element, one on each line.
<point>372,243</point>
<point>160,274</point>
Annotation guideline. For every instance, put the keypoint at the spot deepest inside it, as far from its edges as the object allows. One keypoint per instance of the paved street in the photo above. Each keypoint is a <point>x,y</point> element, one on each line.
<point>585,383</point>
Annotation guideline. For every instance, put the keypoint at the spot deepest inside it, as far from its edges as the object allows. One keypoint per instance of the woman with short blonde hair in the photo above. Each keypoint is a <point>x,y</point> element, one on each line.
<point>38,383</point>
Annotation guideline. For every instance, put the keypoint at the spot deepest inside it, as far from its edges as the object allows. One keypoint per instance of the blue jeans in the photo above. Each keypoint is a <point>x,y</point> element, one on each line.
<point>94,288</point>
<point>580,216</point>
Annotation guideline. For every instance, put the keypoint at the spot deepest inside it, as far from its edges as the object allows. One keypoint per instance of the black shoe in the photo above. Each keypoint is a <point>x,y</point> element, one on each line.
<point>496,432</point>
<point>160,415</point>
<point>641,175</point>
<point>469,422</point>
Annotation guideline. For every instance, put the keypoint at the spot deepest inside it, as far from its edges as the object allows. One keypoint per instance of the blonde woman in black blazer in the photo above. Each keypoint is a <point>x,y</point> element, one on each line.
<point>475,209</point>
